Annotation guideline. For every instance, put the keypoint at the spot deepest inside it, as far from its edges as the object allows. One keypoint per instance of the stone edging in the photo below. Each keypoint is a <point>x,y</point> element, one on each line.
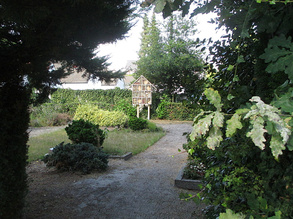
<point>126,156</point>
<point>182,183</point>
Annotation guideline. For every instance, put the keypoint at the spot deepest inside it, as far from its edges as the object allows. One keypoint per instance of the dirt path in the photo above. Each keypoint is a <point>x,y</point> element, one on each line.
<point>142,187</point>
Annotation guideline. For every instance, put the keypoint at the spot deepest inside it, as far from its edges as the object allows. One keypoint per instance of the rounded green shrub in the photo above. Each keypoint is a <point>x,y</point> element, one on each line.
<point>85,131</point>
<point>126,107</point>
<point>82,157</point>
<point>137,123</point>
<point>100,117</point>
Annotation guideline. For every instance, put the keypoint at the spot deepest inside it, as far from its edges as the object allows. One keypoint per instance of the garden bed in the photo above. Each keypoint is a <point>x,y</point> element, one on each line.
<point>184,183</point>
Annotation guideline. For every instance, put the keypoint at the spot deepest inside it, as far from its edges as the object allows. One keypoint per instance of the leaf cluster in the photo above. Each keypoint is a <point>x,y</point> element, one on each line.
<point>263,119</point>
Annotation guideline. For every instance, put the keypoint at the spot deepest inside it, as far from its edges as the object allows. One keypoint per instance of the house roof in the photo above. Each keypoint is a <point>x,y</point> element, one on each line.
<point>128,79</point>
<point>75,78</point>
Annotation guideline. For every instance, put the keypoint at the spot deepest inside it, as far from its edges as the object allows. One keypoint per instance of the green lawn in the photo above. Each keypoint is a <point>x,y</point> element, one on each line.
<point>118,142</point>
<point>40,145</point>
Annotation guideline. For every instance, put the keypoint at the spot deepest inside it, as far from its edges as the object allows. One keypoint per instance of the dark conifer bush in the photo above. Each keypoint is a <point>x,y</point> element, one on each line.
<point>82,157</point>
<point>85,131</point>
<point>137,123</point>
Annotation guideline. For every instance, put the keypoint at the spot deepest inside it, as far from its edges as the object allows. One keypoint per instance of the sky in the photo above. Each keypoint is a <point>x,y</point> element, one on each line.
<point>127,49</point>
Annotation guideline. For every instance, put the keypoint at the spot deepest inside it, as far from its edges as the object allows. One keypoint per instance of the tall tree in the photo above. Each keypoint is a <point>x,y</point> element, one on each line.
<point>34,34</point>
<point>150,50</point>
<point>182,66</point>
<point>175,66</point>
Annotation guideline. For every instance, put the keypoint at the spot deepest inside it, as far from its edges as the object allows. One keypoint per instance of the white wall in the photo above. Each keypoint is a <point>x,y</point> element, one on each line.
<point>91,84</point>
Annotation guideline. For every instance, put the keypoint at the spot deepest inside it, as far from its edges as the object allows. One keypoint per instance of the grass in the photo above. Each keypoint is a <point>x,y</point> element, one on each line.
<point>40,145</point>
<point>121,141</point>
<point>118,142</point>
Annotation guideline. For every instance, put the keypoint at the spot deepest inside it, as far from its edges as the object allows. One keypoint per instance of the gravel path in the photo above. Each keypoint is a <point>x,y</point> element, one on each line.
<point>142,187</point>
<point>33,132</point>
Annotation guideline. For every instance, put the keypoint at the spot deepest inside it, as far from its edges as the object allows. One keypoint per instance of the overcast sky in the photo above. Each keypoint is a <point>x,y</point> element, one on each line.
<point>127,49</point>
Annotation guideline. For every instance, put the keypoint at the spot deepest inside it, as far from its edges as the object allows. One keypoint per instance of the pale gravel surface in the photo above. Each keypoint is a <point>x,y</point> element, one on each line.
<point>33,132</point>
<point>142,187</point>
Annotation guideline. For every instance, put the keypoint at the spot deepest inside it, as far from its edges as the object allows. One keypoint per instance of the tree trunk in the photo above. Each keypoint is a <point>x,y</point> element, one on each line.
<point>14,117</point>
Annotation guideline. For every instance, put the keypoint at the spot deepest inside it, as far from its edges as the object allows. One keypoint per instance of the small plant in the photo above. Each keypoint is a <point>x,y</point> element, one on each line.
<point>126,107</point>
<point>61,119</point>
<point>162,107</point>
<point>82,157</point>
<point>194,170</point>
<point>85,131</point>
<point>137,123</point>
<point>152,127</point>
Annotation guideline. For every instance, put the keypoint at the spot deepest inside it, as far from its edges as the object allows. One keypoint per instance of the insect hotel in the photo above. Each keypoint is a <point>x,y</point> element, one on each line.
<point>142,94</point>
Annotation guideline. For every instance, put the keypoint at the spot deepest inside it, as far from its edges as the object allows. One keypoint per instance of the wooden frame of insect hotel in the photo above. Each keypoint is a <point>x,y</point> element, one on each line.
<point>142,94</point>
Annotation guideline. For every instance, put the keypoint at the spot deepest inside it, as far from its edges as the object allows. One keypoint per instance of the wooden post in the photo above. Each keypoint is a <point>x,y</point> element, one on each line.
<point>149,112</point>
<point>137,111</point>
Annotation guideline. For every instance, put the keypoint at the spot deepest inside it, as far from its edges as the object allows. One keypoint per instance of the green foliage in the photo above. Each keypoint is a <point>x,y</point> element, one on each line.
<point>180,111</point>
<point>93,114</point>
<point>194,170</point>
<point>152,127</point>
<point>251,177</point>
<point>84,131</point>
<point>259,114</point>
<point>82,157</point>
<point>162,108</point>
<point>175,111</point>
<point>126,107</point>
<point>231,215</point>
<point>137,123</point>
<point>111,96</point>
<point>241,177</point>
<point>49,114</point>
<point>173,64</point>
<point>279,55</point>
<point>41,144</point>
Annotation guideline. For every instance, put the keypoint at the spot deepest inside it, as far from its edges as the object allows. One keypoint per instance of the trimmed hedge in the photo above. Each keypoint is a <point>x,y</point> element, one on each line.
<point>111,96</point>
<point>176,111</point>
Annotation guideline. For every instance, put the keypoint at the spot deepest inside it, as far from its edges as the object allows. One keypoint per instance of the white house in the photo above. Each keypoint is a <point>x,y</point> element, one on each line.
<point>75,81</point>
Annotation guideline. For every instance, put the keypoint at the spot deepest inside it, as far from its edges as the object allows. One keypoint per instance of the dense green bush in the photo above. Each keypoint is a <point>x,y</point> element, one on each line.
<point>178,111</point>
<point>85,131</point>
<point>162,108</point>
<point>100,117</point>
<point>82,157</point>
<point>137,123</point>
<point>126,107</point>
<point>244,178</point>
<point>175,111</point>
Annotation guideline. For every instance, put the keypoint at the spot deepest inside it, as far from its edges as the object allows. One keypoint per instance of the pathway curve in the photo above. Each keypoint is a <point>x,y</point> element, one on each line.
<point>142,187</point>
